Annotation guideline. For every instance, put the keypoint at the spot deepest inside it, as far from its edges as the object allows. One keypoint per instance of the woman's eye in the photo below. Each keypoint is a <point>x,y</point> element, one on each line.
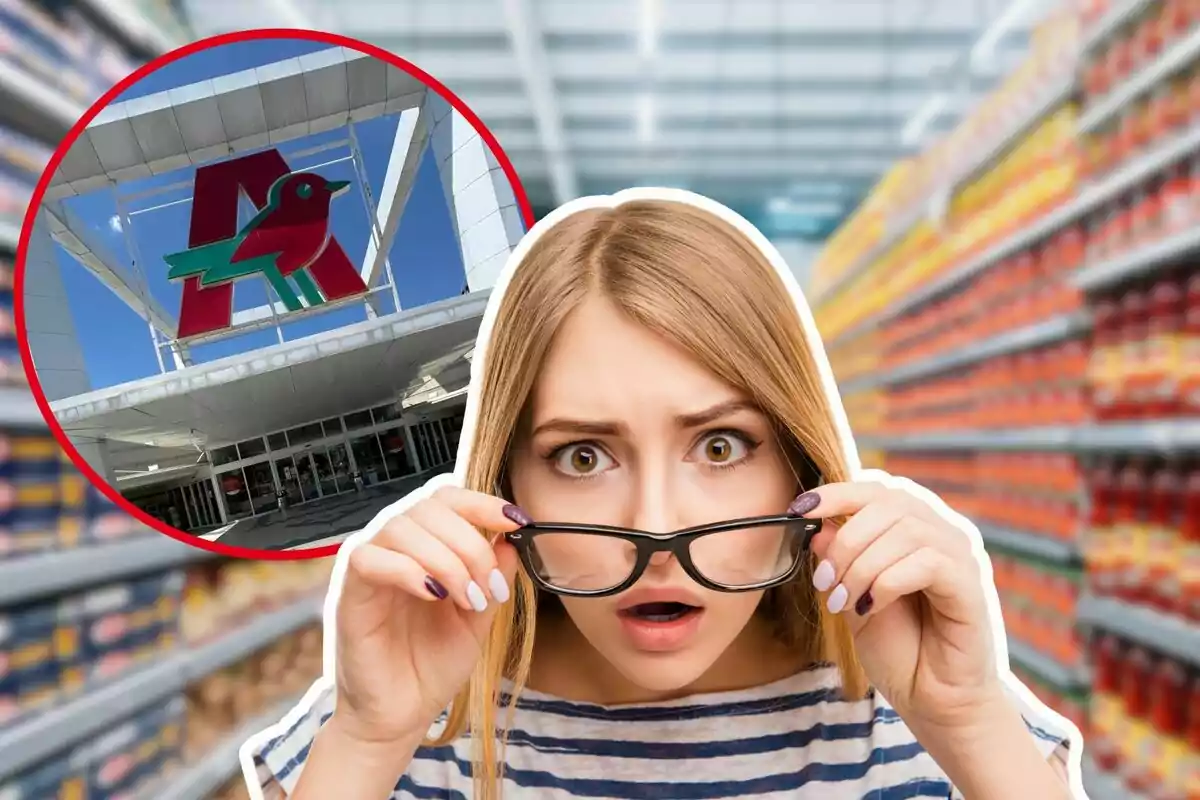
<point>720,448</point>
<point>579,460</point>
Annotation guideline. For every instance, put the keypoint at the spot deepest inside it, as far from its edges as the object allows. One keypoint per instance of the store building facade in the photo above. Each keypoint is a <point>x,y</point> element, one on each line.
<point>206,444</point>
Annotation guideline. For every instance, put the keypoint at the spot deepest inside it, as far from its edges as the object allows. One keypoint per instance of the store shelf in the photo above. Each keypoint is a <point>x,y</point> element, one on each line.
<point>1104,786</point>
<point>47,574</point>
<point>1112,21</point>
<point>1053,97</point>
<point>1058,94</point>
<point>35,107</point>
<point>18,409</point>
<point>1128,175</point>
<point>1138,263</point>
<point>1030,544</point>
<point>1173,59</point>
<point>1047,668</point>
<point>1043,333</point>
<point>200,780</point>
<point>1148,626</point>
<point>52,731</point>
<point>1166,436</point>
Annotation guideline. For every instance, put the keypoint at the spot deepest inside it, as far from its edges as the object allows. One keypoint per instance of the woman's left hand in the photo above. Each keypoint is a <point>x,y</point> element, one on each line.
<point>910,587</point>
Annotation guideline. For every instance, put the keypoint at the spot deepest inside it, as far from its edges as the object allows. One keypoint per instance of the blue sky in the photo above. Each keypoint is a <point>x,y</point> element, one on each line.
<point>425,258</point>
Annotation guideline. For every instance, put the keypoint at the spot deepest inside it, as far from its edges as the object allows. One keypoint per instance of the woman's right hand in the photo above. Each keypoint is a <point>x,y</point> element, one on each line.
<point>403,651</point>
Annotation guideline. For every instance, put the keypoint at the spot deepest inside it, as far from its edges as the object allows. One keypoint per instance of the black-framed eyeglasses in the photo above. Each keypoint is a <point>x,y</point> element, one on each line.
<point>738,555</point>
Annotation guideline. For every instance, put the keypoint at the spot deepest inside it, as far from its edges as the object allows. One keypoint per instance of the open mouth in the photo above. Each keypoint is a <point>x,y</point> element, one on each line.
<point>659,612</point>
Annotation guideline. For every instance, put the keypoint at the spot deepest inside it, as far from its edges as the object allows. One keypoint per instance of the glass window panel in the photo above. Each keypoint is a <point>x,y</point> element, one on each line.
<point>359,419</point>
<point>332,426</point>
<point>224,455</point>
<point>388,413</point>
<point>251,448</point>
<point>277,441</point>
<point>395,453</point>
<point>237,497</point>
<point>305,433</point>
<point>369,458</point>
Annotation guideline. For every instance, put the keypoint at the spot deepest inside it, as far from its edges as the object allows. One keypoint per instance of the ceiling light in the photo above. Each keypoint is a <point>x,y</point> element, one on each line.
<point>1013,15</point>
<point>915,129</point>
<point>648,28</point>
<point>645,118</point>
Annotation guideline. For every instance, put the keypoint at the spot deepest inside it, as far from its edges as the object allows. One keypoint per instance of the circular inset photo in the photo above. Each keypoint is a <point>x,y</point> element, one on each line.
<point>250,282</point>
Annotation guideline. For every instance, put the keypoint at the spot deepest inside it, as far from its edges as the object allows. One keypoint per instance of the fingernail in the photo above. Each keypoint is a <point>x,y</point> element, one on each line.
<point>863,606</point>
<point>435,588</point>
<point>498,586</point>
<point>475,596</point>
<point>823,576</point>
<point>804,504</point>
<point>517,515</point>
<point>837,600</point>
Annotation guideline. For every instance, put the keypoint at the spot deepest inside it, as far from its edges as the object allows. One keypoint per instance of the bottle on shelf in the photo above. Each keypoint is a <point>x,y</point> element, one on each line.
<point>1130,534</point>
<point>1099,541</point>
<point>1138,743</point>
<point>1165,331</point>
<point>1132,373</point>
<point>1168,714</point>
<point>1189,357</point>
<point>1189,537</point>
<point>1164,497</point>
<point>1105,360</point>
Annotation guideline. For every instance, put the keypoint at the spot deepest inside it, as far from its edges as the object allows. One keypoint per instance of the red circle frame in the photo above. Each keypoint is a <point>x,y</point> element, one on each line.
<point>39,192</point>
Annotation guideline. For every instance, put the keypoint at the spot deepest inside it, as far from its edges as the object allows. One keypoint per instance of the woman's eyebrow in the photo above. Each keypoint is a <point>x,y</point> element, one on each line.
<point>697,419</point>
<point>592,427</point>
<point>693,419</point>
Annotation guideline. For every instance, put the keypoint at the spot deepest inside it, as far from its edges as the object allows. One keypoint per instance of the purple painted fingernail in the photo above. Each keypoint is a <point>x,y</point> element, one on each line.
<point>517,515</point>
<point>435,588</point>
<point>864,604</point>
<point>804,504</point>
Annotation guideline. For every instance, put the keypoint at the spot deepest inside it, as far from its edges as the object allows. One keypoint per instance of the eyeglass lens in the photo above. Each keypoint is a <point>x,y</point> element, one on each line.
<point>746,556</point>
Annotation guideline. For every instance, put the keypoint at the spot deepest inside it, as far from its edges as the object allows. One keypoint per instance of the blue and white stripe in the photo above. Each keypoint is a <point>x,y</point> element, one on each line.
<point>791,739</point>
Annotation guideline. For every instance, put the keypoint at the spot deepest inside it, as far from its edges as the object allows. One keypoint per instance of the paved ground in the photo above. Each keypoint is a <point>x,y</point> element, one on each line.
<point>321,519</point>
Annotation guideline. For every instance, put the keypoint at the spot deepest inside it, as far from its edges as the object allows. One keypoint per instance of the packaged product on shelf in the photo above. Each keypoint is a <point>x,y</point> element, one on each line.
<point>1137,732</point>
<point>29,671</point>
<point>105,521</point>
<point>1106,705</point>
<point>1189,387</point>
<point>1189,542</point>
<point>129,758</point>
<point>29,494</point>
<point>125,624</point>
<point>1168,713</point>
<point>56,778</point>
<point>1165,496</point>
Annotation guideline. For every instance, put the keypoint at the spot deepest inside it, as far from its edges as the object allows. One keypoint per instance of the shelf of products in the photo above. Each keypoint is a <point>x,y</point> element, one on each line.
<point>1037,365</point>
<point>229,639</point>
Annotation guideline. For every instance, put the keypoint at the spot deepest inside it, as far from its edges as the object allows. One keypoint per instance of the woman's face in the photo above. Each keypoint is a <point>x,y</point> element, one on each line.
<point>627,430</point>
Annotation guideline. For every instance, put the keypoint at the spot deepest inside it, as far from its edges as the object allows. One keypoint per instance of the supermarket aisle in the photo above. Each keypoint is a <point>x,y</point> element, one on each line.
<point>1033,354</point>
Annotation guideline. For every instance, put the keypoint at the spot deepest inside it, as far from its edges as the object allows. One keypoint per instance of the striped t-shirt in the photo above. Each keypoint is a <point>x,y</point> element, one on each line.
<point>794,738</point>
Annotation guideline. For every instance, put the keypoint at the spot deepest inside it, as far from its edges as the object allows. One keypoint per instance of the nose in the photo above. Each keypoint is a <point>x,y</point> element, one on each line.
<point>654,509</point>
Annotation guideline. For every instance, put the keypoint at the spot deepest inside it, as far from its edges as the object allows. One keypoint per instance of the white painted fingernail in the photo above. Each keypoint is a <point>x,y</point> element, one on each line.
<point>837,600</point>
<point>823,576</point>
<point>475,596</point>
<point>498,586</point>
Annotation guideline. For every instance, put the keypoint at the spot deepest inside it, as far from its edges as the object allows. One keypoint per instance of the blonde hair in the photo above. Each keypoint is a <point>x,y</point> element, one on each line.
<point>690,277</point>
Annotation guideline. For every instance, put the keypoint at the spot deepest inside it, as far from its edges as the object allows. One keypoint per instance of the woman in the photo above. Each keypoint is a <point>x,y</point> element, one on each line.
<point>647,372</point>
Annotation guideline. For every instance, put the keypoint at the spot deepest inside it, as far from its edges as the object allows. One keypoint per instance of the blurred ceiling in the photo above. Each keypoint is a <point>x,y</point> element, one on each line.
<point>780,108</point>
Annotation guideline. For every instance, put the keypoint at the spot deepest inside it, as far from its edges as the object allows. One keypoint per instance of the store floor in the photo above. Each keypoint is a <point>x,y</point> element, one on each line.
<point>322,519</point>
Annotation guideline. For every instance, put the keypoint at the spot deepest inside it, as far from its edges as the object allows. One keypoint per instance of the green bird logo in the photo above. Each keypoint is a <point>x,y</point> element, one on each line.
<point>289,234</point>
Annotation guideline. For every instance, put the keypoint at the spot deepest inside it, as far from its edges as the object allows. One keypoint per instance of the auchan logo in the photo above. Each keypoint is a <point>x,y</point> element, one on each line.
<point>288,242</point>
